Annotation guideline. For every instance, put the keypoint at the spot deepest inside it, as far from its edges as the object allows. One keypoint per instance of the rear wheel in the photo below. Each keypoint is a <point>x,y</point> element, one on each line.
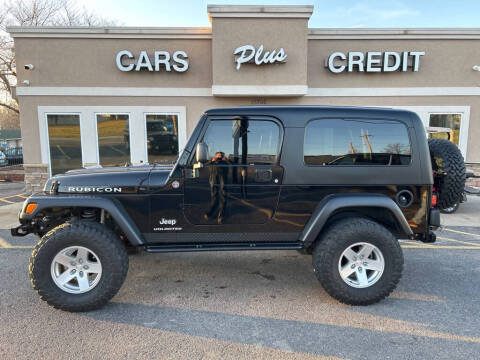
<point>450,209</point>
<point>78,266</point>
<point>358,261</point>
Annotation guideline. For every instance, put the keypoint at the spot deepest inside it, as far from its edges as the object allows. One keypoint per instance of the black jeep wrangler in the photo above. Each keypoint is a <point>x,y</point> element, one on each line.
<point>340,183</point>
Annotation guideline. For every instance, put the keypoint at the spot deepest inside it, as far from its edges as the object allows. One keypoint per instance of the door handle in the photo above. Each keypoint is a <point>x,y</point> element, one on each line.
<point>263,175</point>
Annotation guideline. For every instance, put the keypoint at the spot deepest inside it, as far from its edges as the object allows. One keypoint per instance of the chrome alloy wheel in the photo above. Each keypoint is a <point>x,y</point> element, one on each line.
<point>361,265</point>
<point>76,269</point>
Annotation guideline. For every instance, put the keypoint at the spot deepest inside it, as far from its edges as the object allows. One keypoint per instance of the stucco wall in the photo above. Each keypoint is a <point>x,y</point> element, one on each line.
<point>290,34</point>
<point>445,63</point>
<point>91,62</point>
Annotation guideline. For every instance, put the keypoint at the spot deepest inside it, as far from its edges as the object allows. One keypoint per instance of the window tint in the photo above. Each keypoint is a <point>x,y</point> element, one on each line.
<point>162,138</point>
<point>64,142</point>
<point>113,139</point>
<point>356,142</point>
<point>244,141</point>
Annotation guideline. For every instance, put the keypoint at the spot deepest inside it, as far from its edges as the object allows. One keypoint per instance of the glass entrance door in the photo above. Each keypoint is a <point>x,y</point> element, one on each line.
<point>161,138</point>
<point>65,147</point>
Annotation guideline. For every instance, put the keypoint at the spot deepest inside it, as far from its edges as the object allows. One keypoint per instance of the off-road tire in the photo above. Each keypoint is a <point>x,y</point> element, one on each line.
<point>93,236</point>
<point>338,237</point>
<point>446,157</point>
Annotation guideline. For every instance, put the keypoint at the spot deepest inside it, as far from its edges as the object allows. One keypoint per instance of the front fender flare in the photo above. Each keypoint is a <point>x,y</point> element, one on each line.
<point>332,203</point>
<point>110,205</point>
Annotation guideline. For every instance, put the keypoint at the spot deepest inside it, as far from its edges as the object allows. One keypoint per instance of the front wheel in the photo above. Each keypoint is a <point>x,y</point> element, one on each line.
<point>358,261</point>
<point>78,266</point>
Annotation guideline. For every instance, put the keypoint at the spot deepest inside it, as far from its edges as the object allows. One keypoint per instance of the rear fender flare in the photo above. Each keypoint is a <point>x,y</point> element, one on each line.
<point>112,206</point>
<point>332,203</point>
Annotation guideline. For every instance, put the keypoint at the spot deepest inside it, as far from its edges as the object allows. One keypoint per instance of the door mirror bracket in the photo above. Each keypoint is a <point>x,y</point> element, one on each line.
<point>201,153</point>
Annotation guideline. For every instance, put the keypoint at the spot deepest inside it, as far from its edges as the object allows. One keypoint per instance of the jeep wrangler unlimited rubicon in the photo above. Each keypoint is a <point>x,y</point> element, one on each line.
<point>340,183</point>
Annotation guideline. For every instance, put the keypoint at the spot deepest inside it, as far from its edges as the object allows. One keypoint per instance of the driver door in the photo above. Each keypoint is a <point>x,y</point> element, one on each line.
<point>240,183</point>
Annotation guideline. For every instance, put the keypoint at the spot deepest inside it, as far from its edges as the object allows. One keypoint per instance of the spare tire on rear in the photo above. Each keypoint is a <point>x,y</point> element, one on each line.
<point>449,171</point>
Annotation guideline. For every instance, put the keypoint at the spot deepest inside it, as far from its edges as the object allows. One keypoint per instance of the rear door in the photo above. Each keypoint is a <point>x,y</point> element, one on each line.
<point>241,182</point>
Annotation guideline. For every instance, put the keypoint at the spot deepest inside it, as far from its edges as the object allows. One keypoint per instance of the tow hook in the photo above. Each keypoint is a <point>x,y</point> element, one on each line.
<point>20,230</point>
<point>430,238</point>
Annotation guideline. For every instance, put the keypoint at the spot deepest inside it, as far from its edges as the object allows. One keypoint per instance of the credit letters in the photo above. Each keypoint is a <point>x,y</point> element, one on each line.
<point>374,61</point>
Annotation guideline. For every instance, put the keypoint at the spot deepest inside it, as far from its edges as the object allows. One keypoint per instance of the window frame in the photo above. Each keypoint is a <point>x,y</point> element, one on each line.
<point>88,129</point>
<point>201,136</point>
<point>353,165</point>
<point>95,114</point>
<point>47,135</point>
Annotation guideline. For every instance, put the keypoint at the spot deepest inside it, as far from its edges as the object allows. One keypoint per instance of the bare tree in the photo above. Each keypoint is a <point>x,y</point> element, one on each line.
<point>34,13</point>
<point>396,148</point>
<point>9,119</point>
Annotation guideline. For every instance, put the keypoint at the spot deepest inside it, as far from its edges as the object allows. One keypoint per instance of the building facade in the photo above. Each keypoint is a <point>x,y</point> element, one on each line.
<point>110,96</point>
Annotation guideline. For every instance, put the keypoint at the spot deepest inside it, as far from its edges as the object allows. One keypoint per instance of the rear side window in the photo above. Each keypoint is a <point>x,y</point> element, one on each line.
<point>356,142</point>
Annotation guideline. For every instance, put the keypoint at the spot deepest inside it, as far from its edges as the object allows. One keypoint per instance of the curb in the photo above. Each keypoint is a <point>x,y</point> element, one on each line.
<point>473,190</point>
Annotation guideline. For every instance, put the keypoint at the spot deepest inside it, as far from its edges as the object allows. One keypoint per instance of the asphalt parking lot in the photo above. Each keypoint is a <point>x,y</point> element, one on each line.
<point>12,192</point>
<point>230,305</point>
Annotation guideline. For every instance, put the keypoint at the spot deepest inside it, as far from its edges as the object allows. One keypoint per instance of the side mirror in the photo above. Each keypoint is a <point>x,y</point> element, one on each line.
<point>202,153</point>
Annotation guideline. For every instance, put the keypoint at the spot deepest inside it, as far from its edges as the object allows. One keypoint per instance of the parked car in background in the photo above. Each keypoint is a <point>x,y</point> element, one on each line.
<point>3,159</point>
<point>14,156</point>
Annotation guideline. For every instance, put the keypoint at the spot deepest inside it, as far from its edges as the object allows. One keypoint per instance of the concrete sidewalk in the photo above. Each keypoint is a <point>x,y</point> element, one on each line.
<point>468,213</point>
<point>9,215</point>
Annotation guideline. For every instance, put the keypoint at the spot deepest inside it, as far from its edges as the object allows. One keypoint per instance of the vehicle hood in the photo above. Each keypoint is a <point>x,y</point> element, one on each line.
<point>129,179</point>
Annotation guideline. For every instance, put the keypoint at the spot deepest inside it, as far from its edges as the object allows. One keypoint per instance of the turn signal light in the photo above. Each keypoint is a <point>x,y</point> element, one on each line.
<point>30,208</point>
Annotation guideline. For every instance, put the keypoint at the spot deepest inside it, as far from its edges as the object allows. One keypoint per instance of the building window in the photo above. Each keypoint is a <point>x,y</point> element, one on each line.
<point>162,138</point>
<point>113,139</point>
<point>449,121</point>
<point>356,142</point>
<point>245,142</point>
<point>65,146</point>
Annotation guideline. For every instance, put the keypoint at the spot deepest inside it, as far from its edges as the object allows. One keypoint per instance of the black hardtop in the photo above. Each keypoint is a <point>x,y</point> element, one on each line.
<point>298,115</point>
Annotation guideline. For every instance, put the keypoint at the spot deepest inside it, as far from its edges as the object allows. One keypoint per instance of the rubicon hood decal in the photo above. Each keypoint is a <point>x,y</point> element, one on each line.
<point>93,189</point>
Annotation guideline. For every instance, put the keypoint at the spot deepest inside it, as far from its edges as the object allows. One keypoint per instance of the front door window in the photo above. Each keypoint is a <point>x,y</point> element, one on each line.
<point>243,142</point>
<point>231,187</point>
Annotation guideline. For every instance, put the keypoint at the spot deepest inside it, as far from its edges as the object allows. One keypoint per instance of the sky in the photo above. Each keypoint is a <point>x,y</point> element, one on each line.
<point>328,14</point>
